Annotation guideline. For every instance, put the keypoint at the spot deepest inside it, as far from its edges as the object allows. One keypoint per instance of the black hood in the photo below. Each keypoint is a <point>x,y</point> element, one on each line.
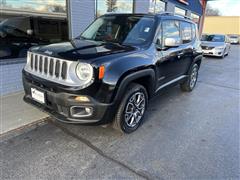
<point>81,49</point>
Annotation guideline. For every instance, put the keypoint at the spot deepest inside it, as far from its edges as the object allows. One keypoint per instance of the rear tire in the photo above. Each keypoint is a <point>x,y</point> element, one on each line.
<point>189,84</point>
<point>132,109</point>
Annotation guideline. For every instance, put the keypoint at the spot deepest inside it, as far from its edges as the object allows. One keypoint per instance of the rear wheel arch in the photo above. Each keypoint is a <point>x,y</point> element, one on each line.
<point>197,60</point>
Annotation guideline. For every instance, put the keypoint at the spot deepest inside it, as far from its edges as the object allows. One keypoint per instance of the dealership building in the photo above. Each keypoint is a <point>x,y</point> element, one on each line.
<point>33,22</point>
<point>81,13</point>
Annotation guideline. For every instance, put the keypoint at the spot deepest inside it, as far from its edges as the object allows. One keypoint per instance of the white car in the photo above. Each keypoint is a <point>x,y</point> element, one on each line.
<point>234,39</point>
<point>215,45</point>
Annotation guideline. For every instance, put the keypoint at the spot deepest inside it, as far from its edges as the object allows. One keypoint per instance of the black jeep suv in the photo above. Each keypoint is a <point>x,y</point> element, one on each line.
<point>113,68</point>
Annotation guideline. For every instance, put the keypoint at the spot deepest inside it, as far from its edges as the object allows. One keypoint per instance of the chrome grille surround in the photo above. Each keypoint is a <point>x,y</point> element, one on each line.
<point>54,69</point>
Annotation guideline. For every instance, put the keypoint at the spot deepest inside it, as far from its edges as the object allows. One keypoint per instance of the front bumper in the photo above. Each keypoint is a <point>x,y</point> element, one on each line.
<point>234,42</point>
<point>213,52</point>
<point>58,105</point>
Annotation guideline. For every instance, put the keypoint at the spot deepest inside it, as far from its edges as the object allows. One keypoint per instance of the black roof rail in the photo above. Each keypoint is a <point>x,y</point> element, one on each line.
<point>173,14</point>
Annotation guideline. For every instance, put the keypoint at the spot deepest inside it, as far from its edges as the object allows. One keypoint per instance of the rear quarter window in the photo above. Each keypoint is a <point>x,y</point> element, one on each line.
<point>186,30</point>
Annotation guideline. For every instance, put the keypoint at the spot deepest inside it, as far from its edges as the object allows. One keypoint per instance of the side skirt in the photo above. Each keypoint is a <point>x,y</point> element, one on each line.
<point>170,82</point>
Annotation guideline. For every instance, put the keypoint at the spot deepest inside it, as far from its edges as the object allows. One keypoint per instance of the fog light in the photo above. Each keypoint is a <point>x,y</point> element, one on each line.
<point>88,110</point>
<point>82,99</point>
<point>80,111</point>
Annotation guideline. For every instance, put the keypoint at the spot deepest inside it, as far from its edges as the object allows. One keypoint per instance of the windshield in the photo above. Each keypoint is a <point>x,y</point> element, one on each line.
<point>213,38</point>
<point>131,30</point>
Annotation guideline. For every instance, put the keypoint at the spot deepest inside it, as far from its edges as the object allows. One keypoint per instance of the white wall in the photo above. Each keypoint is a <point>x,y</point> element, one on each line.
<point>80,14</point>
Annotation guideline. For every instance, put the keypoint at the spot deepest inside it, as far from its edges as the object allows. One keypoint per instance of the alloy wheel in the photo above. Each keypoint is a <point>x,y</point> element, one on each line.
<point>193,77</point>
<point>135,109</point>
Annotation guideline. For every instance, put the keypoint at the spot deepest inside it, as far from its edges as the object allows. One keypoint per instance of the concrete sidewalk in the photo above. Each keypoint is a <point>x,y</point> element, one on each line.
<point>15,113</point>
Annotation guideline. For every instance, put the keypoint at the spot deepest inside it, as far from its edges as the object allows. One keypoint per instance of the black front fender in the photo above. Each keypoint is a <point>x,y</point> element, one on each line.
<point>126,80</point>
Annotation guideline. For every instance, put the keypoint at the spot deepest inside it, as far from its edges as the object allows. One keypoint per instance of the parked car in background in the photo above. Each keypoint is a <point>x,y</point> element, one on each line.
<point>234,39</point>
<point>18,34</point>
<point>215,45</point>
<point>108,74</point>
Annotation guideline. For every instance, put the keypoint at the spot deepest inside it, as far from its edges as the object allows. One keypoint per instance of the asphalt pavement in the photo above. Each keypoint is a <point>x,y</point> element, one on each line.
<point>185,136</point>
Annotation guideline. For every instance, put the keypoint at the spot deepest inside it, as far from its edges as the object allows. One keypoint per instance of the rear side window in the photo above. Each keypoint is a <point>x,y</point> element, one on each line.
<point>186,30</point>
<point>171,29</point>
<point>194,33</point>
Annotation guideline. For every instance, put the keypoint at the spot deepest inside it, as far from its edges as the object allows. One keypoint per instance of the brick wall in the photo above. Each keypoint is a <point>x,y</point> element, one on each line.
<point>11,78</point>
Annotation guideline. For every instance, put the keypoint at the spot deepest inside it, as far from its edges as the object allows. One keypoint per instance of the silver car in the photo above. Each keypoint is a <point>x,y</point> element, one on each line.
<point>234,39</point>
<point>215,45</point>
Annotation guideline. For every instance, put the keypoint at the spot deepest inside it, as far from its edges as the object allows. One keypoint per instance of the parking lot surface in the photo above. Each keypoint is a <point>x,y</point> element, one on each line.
<point>185,136</point>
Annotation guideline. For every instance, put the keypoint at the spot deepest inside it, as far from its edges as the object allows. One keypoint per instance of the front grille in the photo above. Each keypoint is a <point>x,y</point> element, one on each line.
<point>207,47</point>
<point>48,66</point>
<point>53,69</point>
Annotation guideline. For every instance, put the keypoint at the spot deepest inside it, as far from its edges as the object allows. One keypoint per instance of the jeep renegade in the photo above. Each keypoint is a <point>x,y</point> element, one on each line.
<point>108,73</point>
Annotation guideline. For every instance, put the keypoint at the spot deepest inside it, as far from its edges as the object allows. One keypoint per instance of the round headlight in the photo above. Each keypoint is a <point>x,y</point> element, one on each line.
<point>84,72</point>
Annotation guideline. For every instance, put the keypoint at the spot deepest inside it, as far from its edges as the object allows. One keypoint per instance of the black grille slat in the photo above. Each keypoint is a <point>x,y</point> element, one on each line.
<point>51,67</point>
<point>48,66</point>
<point>31,61</point>
<point>57,68</point>
<point>40,63</point>
<point>36,62</point>
<point>64,70</point>
<point>45,65</point>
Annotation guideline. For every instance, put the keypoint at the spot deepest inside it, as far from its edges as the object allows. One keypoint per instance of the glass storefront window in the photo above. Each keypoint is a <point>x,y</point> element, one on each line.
<point>195,18</point>
<point>27,23</point>
<point>157,6</point>
<point>43,6</point>
<point>118,6</point>
<point>180,11</point>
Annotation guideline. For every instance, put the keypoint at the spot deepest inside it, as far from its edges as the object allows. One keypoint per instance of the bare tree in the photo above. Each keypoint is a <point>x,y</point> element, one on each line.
<point>57,8</point>
<point>210,11</point>
<point>111,4</point>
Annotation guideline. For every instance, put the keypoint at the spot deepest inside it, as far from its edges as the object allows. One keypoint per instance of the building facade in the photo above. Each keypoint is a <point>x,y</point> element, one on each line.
<point>33,22</point>
<point>222,25</point>
<point>82,12</point>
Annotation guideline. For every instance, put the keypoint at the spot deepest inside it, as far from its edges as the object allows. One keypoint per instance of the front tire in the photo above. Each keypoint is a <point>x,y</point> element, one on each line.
<point>191,81</point>
<point>132,109</point>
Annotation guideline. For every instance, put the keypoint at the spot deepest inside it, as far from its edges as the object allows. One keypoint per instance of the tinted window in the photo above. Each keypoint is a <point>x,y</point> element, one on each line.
<point>213,38</point>
<point>186,32</point>
<point>193,31</point>
<point>171,29</point>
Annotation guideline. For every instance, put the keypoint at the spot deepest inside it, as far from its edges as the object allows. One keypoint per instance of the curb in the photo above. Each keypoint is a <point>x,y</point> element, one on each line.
<point>23,129</point>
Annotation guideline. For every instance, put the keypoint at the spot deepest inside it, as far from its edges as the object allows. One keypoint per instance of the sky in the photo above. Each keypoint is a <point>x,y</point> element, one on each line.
<point>226,7</point>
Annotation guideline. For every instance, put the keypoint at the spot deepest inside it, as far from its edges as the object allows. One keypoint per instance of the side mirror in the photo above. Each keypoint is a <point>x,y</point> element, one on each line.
<point>30,32</point>
<point>172,42</point>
